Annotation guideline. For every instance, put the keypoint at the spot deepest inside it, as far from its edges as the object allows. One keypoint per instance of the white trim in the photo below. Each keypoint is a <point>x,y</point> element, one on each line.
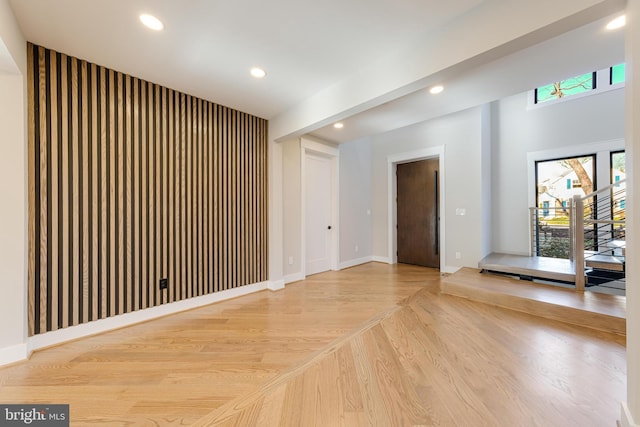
<point>275,285</point>
<point>325,149</point>
<point>382,259</point>
<point>295,277</point>
<point>99,326</point>
<point>568,151</point>
<point>412,156</point>
<point>13,354</point>
<point>354,262</point>
<point>450,269</point>
<point>626,418</point>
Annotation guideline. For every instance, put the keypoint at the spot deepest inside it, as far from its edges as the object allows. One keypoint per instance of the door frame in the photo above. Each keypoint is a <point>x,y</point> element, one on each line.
<point>309,146</point>
<point>392,202</point>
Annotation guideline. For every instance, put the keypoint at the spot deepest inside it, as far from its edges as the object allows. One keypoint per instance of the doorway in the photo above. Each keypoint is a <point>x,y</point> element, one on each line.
<point>418,202</point>
<point>319,207</point>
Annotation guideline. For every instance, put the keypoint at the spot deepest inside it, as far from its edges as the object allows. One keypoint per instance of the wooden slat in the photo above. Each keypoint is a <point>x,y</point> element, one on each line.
<point>158,177</point>
<point>144,201</point>
<point>54,200</point>
<point>128,304</point>
<point>112,143</point>
<point>205,198</point>
<point>95,216</point>
<point>199,195</point>
<point>103,177</point>
<point>172,253</point>
<point>215,204</point>
<point>76,174</point>
<point>33,215</point>
<point>44,193</point>
<point>64,200</point>
<point>183,204</point>
<point>226,174</point>
<point>137,215</point>
<point>121,195</point>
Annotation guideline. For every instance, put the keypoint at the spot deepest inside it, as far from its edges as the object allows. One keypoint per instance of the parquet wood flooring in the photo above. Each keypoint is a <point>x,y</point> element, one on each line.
<point>372,345</point>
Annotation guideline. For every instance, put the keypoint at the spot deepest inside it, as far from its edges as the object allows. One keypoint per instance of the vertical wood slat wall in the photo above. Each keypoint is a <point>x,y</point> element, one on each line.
<point>131,182</point>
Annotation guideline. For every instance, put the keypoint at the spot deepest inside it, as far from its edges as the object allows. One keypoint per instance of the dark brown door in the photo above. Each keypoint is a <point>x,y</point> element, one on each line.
<point>418,233</point>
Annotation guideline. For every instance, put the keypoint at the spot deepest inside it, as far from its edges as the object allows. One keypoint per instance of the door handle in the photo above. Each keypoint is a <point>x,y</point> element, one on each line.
<point>329,228</point>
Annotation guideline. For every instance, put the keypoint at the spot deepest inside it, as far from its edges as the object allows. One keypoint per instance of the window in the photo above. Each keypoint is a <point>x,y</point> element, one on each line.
<point>618,169</point>
<point>617,74</point>
<point>561,179</point>
<point>578,86</point>
<point>572,86</point>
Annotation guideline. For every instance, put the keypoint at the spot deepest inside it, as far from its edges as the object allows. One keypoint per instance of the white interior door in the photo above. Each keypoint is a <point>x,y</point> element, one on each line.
<point>318,214</point>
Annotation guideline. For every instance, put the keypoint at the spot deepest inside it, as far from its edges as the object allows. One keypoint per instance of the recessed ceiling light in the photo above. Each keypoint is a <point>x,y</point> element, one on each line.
<point>258,73</point>
<point>151,21</point>
<point>619,22</point>
<point>338,125</point>
<point>436,89</point>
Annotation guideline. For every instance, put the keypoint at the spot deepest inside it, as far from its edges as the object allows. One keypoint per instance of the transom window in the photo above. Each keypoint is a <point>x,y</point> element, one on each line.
<point>617,74</point>
<point>572,86</point>
<point>584,84</point>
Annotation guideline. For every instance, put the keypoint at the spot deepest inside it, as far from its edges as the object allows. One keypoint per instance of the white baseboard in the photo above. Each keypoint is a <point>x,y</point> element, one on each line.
<point>13,354</point>
<point>626,418</point>
<point>354,262</point>
<point>450,269</point>
<point>295,277</point>
<point>275,285</point>
<point>98,326</point>
<point>382,259</point>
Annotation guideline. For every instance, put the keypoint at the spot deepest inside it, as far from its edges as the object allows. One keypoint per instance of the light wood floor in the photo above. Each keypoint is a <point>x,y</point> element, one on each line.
<point>371,345</point>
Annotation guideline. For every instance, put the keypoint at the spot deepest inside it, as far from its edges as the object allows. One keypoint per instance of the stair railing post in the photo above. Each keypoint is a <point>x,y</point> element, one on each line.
<point>578,233</point>
<point>534,226</point>
<point>572,241</point>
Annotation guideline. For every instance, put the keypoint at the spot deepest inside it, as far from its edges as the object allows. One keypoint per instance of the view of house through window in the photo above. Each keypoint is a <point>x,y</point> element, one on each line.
<point>557,181</point>
<point>618,173</point>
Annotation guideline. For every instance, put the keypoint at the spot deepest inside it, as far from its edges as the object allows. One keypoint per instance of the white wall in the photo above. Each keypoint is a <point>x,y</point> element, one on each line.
<point>517,131</point>
<point>355,201</point>
<point>13,181</point>
<point>486,195</point>
<point>291,191</point>
<point>461,135</point>
<point>13,261</point>
<point>632,415</point>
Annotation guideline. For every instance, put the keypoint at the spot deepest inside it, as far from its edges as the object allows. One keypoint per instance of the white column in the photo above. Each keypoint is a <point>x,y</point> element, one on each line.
<point>13,190</point>
<point>631,410</point>
<point>276,231</point>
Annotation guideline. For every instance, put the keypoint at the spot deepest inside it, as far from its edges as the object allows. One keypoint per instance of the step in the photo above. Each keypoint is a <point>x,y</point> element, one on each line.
<point>587,309</point>
<point>532,266</point>
<point>604,262</point>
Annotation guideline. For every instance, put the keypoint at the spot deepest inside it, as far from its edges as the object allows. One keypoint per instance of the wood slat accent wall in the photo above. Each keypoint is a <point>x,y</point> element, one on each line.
<point>131,182</point>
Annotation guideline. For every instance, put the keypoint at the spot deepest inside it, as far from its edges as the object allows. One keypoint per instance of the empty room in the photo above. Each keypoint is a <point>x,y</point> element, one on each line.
<point>389,213</point>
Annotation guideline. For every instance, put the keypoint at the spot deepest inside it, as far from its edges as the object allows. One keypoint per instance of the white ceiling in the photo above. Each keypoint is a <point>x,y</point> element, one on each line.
<point>585,49</point>
<point>306,47</point>
<point>208,46</point>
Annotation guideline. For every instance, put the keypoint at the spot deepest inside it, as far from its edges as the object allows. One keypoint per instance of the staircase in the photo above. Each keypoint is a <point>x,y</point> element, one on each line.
<point>582,244</point>
<point>600,236</point>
